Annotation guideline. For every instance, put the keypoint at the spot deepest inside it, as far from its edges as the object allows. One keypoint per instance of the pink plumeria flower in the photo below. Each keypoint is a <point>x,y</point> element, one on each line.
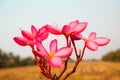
<point>92,42</point>
<point>55,56</point>
<point>30,37</point>
<point>73,29</point>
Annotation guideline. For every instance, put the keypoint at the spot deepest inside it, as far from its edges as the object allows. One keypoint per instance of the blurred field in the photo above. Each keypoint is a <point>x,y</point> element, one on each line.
<point>85,71</point>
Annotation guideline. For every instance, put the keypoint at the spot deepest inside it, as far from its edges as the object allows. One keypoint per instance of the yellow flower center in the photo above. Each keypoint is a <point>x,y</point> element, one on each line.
<point>69,32</point>
<point>51,55</point>
<point>88,40</point>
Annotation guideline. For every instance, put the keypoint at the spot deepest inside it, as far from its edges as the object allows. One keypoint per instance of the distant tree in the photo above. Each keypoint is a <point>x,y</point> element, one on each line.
<point>17,61</point>
<point>10,60</point>
<point>2,64</point>
<point>28,61</point>
<point>112,56</point>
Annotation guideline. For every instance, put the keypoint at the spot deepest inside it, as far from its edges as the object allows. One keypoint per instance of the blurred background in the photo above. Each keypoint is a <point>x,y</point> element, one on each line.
<point>103,17</point>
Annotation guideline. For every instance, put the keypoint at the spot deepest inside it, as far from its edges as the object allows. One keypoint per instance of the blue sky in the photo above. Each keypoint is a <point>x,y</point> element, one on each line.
<point>103,17</point>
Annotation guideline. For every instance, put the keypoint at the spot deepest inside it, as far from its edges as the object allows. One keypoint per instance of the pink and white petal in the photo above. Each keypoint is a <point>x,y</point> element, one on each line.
<point>27,35</point>
<point>43,35</point>
<point>92,46</point>
<point>73,23</point>
<point>53,46</point>
<point>41,48</point>
<point>66,29</point>
<point>92,36</point>
<point>34,30</point>
<point>55,62</point>
<point>42,30</point>
<point>54,29</point>
<point>64,52</point>
<point>21,41</point>
<point>101,41</point>
<point>79,27</point>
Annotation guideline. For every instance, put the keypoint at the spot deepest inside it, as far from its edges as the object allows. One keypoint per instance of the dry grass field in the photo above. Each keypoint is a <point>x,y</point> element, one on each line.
<point>85,71</point>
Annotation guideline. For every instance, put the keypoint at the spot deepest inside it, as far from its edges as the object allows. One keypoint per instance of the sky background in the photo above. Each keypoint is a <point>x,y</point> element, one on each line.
<point>103,17</point>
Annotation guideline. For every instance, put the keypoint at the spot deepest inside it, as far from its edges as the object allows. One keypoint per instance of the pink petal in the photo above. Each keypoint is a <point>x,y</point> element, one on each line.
<point>43,33</point>
<point>55,62</point>
<point>42,29</point>
<point>53,46</point>
<point>75,36</point>
<point>27,35</point>
<point>92,36</point>
<point>101,41</point>
<point>64,52</point>
<point>66,30</point>
<point>34,30</point>
<point>41,48</point>
<point>54,29</point>
<point>21,41</point>
<point>73,23</point>
<point>79,27</point>
<point>92,46</point>
<point>43,36</point>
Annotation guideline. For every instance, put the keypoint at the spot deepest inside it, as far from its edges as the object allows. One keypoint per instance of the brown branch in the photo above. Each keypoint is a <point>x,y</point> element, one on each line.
<point>65,68</point>
<point>75,49</point>
<point>66,61</point>
<point>49,72</point>
<point>39,64</point>
<point>43,67</point>
<point>48,76</point>
<point>76,64</point>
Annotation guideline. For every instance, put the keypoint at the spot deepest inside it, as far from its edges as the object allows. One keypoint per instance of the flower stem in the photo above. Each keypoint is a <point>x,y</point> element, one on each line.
<point>49,72</point>
<point>75,49</point>
<point>66,61</point>
<point>65,68</point>
<point>76,64</point>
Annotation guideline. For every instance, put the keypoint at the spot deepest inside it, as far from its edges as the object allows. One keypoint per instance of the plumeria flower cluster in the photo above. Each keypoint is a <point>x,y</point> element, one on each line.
<point>53,58</point>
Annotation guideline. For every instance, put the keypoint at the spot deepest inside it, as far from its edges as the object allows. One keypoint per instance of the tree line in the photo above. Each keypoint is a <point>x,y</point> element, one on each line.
<point>9,60</point>
<point>112,56</point>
